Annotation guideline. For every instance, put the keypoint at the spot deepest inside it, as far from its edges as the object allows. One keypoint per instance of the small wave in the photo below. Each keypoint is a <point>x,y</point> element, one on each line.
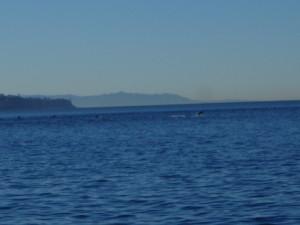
<point>178,116</point>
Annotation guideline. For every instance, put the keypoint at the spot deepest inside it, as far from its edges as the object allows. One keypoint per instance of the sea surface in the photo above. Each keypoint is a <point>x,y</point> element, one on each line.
<point>236,163</point>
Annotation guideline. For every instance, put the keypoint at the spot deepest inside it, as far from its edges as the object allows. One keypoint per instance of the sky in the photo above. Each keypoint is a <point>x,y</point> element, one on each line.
<point>203,49</point>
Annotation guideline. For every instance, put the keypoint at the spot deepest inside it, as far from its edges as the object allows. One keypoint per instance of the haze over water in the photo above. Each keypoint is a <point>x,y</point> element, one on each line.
<point>203,50</point>
<point>235,164</point>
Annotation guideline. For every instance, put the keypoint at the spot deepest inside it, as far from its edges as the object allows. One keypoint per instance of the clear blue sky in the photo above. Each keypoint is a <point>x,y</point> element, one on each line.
<point>206,50</point>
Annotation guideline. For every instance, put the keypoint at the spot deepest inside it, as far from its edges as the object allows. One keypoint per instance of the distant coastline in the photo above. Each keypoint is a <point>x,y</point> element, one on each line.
<point>120,99</point>
<point>13,102</point>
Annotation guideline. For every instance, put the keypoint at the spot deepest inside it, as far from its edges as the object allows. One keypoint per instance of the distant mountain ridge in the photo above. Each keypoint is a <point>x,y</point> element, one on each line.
<point>123,99</point>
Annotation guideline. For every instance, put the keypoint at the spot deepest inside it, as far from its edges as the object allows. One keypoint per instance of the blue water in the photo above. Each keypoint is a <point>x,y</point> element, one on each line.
<point>235,164</point>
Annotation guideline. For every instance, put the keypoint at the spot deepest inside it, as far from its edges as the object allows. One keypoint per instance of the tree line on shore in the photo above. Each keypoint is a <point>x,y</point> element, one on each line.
<point>14,102</point>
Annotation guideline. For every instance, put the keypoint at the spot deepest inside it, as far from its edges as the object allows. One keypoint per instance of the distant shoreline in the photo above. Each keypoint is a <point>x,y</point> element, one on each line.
<point>208,105</point>
<point>195,106</point>
<point>127,99</point>
<point>18,103</point>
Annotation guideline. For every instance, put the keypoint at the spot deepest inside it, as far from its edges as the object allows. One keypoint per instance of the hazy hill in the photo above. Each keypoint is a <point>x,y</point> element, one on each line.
<point>124,99</point>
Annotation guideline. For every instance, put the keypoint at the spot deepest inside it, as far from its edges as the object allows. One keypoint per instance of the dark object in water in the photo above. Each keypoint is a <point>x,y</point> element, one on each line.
<point>199,113</point>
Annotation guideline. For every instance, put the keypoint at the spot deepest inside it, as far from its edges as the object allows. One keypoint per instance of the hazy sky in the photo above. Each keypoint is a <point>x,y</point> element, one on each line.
<point>206,50</point>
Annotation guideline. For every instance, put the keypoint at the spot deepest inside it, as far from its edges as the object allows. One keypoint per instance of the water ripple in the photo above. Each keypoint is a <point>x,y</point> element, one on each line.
<point>228,167</point>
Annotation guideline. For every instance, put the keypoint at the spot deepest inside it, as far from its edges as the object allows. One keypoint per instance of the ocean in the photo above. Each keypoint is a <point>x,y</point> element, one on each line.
<point>236,163</point>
